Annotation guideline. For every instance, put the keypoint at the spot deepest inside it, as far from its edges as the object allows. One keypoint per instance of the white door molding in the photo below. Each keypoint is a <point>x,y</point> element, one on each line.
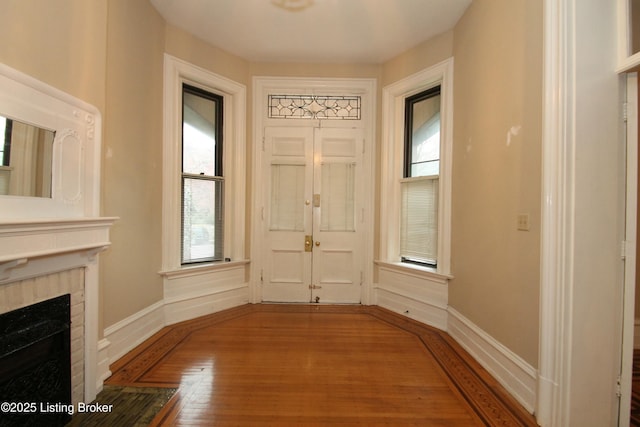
<point>630,250</point>
<point>581,269</point>
<point>264,86</point>
<point>557,218</point>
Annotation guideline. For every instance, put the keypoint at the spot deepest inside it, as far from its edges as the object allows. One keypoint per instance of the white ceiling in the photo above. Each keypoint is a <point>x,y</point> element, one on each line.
<point>348,31</point>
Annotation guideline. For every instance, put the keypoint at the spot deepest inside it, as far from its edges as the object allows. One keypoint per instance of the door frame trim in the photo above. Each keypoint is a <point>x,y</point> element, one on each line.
<point>262,87</point>
<point>629,249</point>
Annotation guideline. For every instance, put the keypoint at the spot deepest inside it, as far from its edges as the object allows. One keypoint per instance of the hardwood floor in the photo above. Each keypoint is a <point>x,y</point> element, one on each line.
<point>315,365</point>
<point>635,390</point>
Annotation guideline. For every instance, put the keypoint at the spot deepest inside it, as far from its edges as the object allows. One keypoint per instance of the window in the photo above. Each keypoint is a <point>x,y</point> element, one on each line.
<point>202,177</point>
<point>422,134</point>
<point>417,122</point>
<point>204,171</point>
<point>419,186</point>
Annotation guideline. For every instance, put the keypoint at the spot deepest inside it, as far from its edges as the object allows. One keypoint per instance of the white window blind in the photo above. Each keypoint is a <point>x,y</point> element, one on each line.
<point>419,219</point>
<point>202,219</point>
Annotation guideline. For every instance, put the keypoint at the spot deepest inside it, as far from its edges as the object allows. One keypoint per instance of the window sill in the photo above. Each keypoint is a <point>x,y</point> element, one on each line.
<point>416,270</point>
<point>195,270</point>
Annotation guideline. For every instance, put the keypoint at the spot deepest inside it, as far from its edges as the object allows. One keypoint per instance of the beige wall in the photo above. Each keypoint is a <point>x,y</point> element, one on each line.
<point>417,59</point>
<point>193,50</point>
<point>497,170</point>
<point>132,159</point>
<point>61,43</point>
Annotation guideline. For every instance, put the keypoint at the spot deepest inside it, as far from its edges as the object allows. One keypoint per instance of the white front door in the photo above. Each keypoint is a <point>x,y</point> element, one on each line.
<point>313,211</point>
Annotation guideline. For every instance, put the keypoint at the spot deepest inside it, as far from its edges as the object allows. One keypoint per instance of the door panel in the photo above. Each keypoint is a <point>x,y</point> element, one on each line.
<point>312,188</point>
<point>288,184</point>
<point>337,253</point>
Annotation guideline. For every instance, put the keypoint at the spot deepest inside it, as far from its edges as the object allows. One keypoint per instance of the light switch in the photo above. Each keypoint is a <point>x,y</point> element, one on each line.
<point>523,222</point>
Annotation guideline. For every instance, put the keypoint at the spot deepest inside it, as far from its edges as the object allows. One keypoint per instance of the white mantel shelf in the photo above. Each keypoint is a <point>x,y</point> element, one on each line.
<point>46,240</point>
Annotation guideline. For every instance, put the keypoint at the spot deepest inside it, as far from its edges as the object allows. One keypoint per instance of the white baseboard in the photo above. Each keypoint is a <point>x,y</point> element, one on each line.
<point>512,372</point>
<point>415,309</point>
<point>103,363</point>
<point>125,335</point>
<point>193,293</point>
<point>189,307</point>
<point>413,295</point>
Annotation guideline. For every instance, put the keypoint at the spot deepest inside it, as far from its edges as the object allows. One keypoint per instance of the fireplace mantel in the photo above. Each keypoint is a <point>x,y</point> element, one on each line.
<point>38,248</point>
<point>32,247</point>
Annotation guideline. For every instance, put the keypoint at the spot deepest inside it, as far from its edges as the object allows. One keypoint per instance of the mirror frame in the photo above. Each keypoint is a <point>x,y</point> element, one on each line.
<point>626,60</point>
<point>75,186</point>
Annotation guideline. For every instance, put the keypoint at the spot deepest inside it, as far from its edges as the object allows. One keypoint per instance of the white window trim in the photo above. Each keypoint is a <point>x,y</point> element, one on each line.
<point>177,72</point>
<point>392,154</point>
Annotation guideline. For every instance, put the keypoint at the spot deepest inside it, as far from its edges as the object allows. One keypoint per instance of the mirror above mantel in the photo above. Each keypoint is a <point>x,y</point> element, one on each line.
<point>49,176</point>
<point>49,151</point>
<point>26,157</point>
<point>629,35</point>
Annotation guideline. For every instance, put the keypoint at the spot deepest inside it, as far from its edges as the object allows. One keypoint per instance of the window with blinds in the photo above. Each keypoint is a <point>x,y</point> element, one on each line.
<point>202,178</point>
<point>419,186</point>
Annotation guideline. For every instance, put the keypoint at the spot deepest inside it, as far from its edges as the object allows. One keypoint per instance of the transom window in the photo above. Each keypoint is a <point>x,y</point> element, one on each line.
<point>202,176</point>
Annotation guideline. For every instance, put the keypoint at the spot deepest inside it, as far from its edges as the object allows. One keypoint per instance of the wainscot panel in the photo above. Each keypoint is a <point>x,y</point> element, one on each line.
<point>420,296</point>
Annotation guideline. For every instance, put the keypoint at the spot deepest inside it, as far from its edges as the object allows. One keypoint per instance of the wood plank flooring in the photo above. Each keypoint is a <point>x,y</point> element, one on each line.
<point>635,390</point>
<point>315,365</point>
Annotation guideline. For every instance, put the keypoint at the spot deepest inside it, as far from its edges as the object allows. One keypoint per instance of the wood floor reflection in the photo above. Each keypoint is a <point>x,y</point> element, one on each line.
<point>315,365</point>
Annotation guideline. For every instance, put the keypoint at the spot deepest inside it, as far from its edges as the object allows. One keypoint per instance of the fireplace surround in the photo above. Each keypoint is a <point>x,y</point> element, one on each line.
<point>49,246</point>
<point>35,362</point>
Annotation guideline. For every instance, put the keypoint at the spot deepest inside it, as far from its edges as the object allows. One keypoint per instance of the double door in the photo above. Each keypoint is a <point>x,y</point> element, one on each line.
<point>313,215</point>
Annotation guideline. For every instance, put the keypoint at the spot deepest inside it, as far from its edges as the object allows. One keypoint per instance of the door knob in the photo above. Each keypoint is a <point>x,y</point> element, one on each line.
<point>308,243</point>
<point>317,243</point>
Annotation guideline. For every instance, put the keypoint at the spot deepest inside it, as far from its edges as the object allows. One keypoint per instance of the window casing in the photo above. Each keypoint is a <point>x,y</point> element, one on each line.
<point>202,199</point>
<point>433,174</point>
<point>229,172</point>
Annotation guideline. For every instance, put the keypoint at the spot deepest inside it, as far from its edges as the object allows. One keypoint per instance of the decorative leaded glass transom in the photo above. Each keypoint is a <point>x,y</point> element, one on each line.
<point>314,107</point>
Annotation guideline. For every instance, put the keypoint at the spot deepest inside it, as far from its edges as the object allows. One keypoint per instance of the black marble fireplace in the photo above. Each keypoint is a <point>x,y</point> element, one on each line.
<point>35,364</point>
